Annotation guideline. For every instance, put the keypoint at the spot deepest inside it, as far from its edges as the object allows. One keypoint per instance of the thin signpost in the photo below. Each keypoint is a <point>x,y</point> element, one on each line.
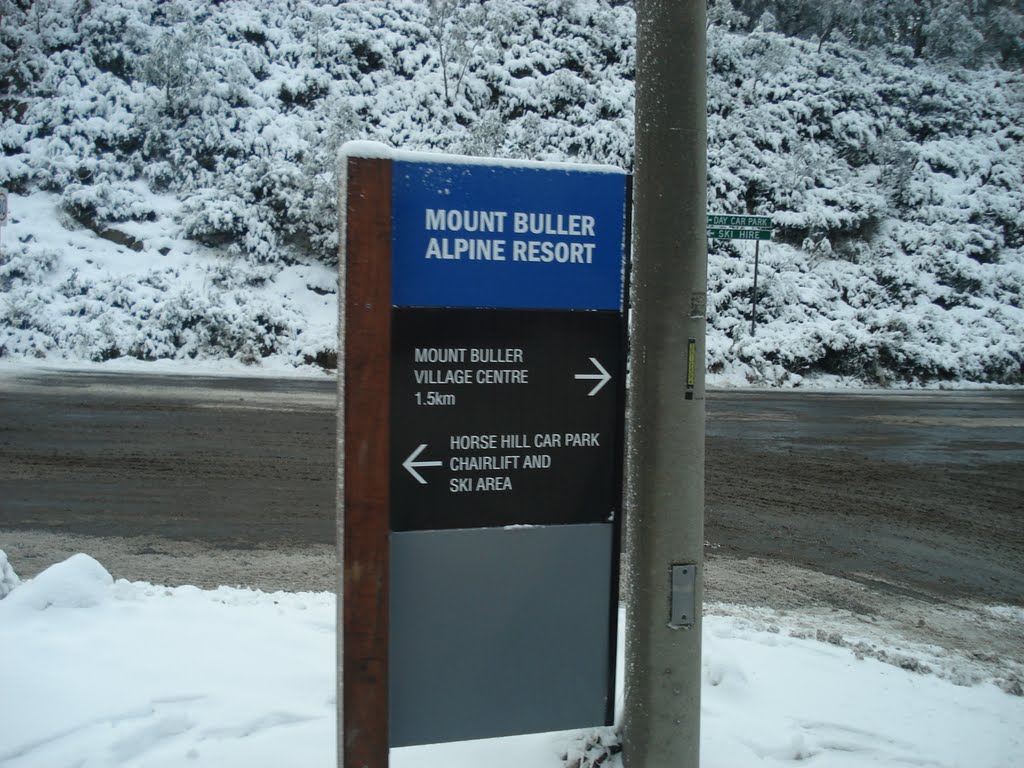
<point>743,227</point>
<point>3,214</point>
<point>753,298</point>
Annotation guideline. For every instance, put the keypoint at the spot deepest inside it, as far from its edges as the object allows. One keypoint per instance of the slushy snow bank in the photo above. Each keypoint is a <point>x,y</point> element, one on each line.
<point>8,578</point>
<point>78,582</point>
<point>110,673</point>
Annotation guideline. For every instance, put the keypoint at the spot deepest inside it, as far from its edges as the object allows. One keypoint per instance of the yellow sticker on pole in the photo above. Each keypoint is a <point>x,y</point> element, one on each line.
<point>691,363</point>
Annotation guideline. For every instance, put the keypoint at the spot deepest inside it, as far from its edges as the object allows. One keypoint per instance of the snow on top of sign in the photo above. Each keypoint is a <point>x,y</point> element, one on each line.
<point>369,149</point>
<point>375,150</point>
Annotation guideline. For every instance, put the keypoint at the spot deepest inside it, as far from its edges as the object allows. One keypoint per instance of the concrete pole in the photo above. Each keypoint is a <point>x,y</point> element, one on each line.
<point>665,443</point>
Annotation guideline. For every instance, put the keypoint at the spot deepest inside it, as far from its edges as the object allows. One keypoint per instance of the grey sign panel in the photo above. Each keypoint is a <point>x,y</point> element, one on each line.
<point>500,631</point>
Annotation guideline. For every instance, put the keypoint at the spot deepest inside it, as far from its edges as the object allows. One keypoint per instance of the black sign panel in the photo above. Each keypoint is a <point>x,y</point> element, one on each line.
<point>505,417</point>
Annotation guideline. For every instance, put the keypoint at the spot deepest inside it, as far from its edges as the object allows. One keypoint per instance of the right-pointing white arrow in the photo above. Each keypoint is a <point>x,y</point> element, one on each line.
<point>602,378</point>
<point>411,464</point>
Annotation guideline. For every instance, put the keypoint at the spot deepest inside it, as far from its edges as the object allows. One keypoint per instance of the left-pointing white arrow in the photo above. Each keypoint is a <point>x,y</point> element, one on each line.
<point>411,463</point>
<point>602,378</point>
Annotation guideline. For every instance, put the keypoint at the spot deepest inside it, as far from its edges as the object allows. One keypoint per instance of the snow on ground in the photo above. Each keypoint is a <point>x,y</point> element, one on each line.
<point>100,672</point>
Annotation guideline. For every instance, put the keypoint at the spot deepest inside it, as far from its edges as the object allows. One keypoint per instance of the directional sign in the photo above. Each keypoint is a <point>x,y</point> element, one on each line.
<point>739,234</point>
<point>732,221</point>
<point>602,377</point>
<point>483,419</point>
<point>411,465</point>
<point>504,418</point>
<point>491,265</point>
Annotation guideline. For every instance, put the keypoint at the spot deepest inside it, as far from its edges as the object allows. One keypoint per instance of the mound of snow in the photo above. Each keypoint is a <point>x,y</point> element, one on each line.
<point>78,582</point>
<point>8,578</point>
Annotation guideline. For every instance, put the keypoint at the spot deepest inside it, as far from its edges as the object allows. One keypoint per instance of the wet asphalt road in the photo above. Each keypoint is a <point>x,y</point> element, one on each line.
<point>921,492</point>
<point>234,462</point>
<point>915,492</point>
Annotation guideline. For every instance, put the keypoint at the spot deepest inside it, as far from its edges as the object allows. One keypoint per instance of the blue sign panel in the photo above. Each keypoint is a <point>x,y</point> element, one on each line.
<point>506,236</point>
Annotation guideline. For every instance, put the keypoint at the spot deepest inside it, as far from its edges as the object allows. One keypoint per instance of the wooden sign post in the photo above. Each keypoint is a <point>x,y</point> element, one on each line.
<point>363,485</point>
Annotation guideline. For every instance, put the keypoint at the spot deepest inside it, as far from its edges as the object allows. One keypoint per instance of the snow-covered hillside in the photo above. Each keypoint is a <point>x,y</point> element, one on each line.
<point>172,193</point>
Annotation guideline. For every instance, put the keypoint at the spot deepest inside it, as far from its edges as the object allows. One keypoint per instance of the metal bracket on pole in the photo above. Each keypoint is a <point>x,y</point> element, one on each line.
<point>684,606</point>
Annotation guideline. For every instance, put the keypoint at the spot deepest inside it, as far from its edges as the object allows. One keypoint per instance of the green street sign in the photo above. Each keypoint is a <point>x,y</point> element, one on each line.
<point>719,220</point>
<point>739,234</point>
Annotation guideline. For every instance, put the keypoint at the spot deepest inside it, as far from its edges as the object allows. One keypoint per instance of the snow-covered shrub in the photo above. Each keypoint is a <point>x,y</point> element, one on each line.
<point>213,219</point>
<point>106,202</point>
<point>25,266</point>
<point>24,301</point>
<point>149,316</point>
<point>8,578</point>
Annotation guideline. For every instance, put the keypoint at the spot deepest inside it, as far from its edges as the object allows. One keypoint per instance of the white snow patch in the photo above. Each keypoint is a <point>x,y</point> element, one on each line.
<point>378,151</point>
<point>166,677</point>
<point>78,582</point>
<point>1010,612</point>
<point>8,578</point>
